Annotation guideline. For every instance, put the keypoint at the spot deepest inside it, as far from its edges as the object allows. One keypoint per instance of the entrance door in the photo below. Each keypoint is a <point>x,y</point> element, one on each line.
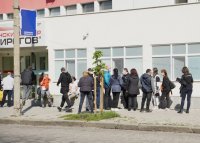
<point>8,64</point>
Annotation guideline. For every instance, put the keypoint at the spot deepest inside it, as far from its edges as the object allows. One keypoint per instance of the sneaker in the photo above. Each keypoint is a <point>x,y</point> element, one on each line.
<point>148,110</point>
<point>59,109</point>
<point>112,109</point>
<point>129,109</point>
<point>187,111</point>
<point>180,112</point>
<point>141,110</point>
<point>23,102</point>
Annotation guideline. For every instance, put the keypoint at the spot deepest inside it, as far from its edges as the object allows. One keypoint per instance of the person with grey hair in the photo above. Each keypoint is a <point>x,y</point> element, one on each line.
<point>8,85</point>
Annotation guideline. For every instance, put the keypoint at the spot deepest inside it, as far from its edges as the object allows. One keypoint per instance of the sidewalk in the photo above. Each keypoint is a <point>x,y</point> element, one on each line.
<point>158,120</point>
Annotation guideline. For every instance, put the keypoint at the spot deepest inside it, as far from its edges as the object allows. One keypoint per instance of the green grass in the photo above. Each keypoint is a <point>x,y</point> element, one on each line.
<point>91,117</point>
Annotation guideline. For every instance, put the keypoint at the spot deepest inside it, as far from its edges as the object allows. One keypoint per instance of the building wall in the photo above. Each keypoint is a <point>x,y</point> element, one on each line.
<point>146,27</point>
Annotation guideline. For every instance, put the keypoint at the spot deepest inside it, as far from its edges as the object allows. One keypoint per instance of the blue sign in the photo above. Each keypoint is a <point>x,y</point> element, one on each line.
<point>28,22</point>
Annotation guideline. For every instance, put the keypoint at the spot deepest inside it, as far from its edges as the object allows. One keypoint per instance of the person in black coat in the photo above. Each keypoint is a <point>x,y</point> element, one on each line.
<point>165,89</point>
<point>64,79</point>
<point>186,89</point>
<point>124,98</point>
<point>133,86</point>
<point>86,85</point>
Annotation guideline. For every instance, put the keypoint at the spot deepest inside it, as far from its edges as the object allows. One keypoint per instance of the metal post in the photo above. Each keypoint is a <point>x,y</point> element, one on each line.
<point>17,105</point>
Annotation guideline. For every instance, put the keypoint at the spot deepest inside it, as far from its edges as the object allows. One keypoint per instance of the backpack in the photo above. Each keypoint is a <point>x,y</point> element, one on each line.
<point>26,77</point>
<point>171,85</point>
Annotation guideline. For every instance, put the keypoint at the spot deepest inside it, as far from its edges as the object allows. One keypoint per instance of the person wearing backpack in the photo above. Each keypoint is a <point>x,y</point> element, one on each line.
<point>186,89</point>
<point>116,83</point>
<point>166,88</point>
<point>147,83</point>
<point>64,79</point>
<point>28,78</point>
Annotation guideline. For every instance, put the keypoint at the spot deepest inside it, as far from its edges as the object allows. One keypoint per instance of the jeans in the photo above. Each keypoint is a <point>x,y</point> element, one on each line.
<point>27,90</point>
<point>132,101</point>
<point>146,96</point>
<point>163,96</point>
<point>89,96</point>
<point>155,99</point>
<point>5,93</point>
<point>125,99</point>
<point>87,101</point>
<point>107,99</point>
<point>47,94</point>
<point>65,98</point>
<point>115,99</point>
<point>183,96</point>
<point>98,97</point>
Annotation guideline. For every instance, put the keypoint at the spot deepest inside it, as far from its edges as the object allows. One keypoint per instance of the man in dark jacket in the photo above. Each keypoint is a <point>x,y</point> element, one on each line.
<point>28,79</point>
<point>64,79</point>
<point>125,78</point>
<point>147,89</point>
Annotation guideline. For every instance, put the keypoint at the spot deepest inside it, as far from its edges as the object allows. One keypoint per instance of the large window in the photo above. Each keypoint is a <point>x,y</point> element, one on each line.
<point>181,1</point>
<point>1,16</point>
<point>10,16</point>
<point>88,7</point>
<point>121,57</point>
<point>40,13</point>
<point>54,11</point>
<point>71,10</point>
<point>105,5</point>
<point>74,60</point>
<point>174,57</point>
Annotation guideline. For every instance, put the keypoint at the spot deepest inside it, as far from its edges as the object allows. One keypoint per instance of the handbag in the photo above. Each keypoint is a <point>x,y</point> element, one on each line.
<point>1,95</point>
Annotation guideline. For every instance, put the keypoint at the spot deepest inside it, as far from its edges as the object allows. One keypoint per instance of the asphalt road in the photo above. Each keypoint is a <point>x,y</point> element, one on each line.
<point>54,134</point>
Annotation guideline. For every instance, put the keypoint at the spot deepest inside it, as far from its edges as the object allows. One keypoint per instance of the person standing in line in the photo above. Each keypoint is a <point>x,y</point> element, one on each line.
<point>116,83</point>
<point>125,98</point>
<point>186,89</point>
<point>133,86</point>
<point>107,87</point>
<point>0,80</point>
<point>165,89</point>
<point>28,78</point>
<point>45,90</point>
<point>73,91</point>
<point>156,93</point>
<point>85,83</point>
<point>64,79</point>
<point>8,85</point>
<point>91,74</point>
<point>147,89</point>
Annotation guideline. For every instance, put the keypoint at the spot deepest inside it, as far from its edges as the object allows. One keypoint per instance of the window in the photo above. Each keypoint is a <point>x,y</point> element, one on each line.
<point>162,63</point>
<point>194,48</point>
<point>1,16</point>
<point>54,11</point>
<point>105,5</point>
<point>42,63</point>
<point>89,7</point>
<point>181,1</point>
<point>175,56</point>
<point>10,16</point>
<point>40,13</point>
<point>59,54</point>
<point>161,50</point>
<point>74,60</point>
<point>120,57</point>
<point>194,66</point>
<point>71,10</point>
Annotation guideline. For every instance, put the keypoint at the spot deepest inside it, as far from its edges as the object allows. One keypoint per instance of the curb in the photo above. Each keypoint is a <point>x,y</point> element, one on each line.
<point>135,127</point>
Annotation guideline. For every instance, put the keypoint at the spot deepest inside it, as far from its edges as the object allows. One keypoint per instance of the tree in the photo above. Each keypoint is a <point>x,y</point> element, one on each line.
<point>98,72</point>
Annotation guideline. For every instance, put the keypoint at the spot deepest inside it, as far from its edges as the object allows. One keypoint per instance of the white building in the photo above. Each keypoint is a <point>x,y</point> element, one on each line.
<point>137,34</point>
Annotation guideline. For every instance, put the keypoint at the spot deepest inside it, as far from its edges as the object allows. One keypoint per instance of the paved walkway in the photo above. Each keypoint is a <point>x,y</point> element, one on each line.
<point>157,117</point>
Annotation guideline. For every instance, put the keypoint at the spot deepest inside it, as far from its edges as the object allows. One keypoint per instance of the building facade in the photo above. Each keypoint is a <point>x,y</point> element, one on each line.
<point>137,34</point>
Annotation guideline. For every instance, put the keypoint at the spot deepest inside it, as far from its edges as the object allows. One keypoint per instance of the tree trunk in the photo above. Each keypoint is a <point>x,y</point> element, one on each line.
<point>102,95</point>
<point>95,94</point>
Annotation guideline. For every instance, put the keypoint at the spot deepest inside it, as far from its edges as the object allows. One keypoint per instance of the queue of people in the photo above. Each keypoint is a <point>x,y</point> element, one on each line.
<point>129,86</point>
